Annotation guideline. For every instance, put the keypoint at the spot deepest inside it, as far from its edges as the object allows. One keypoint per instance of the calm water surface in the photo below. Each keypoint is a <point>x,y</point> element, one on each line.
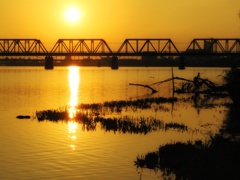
<point>30,149</point>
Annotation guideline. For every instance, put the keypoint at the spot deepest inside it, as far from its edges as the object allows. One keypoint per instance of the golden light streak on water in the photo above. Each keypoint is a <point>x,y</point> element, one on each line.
<point>74,80</point>
<point>72,129</point>
<point>72,126</point>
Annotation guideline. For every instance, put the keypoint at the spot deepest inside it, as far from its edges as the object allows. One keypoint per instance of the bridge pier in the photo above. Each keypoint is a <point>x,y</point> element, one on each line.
<point>49,62</point>
<point>114,64</point>
<point>181,62</point>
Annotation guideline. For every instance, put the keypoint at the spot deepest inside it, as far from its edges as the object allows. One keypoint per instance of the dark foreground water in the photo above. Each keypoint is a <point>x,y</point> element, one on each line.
<point>33,149</point>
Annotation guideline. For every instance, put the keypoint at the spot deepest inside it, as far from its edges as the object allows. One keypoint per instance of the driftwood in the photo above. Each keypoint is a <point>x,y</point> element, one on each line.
<point>192,86</point>
<point>146,86</point>
<point>170,79</point>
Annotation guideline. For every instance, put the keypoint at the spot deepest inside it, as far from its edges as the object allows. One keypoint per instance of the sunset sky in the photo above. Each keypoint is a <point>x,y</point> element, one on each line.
<point>116,20</point>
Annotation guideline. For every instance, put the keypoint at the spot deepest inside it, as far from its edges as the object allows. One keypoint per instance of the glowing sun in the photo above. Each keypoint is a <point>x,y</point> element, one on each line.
<point>72,15</point>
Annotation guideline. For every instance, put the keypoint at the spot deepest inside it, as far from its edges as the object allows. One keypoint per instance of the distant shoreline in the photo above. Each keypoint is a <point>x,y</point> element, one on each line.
<point>129,63</point>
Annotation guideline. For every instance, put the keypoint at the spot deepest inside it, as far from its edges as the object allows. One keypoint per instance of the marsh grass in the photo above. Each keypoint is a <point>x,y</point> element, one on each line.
<point>177,126</point>
<point>217,158</point>
<point>104,114</point>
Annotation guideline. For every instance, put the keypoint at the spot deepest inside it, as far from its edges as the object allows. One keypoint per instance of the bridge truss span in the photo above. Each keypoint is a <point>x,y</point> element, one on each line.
<point>140,48</point>
<point>148,46</point>
<point>214,46</point>
<point>22,47</point>
<point>81,47</point>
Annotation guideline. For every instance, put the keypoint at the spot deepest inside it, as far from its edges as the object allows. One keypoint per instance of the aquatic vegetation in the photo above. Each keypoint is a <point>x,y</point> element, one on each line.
<point>102,109</point>
<point>150,161</point>
<point>89,115</point>
<point>232,83</point>
<point>52,115</point>
<point>108,116</point>
<point>127,125</point>
<point>217,159</point>
<point>118,106</point>
<point>177,126</point>
<point>120,124</point>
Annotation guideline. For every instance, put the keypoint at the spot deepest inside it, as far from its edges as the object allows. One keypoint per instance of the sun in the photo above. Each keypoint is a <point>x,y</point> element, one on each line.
<point>72,14</point>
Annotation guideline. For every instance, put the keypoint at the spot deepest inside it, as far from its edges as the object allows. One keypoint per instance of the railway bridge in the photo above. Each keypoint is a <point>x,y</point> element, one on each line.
<point>144,48</point>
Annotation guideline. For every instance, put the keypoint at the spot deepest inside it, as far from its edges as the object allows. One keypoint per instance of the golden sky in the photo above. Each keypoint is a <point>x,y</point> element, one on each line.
<point>116,20</point>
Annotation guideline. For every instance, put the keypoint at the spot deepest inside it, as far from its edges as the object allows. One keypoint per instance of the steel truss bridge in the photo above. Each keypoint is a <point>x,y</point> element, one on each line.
<point>130,47</point>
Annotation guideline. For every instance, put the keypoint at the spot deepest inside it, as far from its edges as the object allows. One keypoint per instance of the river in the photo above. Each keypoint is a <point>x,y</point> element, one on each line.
<point>33,149</point>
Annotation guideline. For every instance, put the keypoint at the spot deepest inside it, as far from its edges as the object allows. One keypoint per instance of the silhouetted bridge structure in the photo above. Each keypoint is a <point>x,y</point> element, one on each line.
<point>130,47</point>
<point>145,48</point>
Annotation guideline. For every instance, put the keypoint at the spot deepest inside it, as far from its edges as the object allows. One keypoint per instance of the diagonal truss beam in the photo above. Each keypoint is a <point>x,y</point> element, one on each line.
<point>81,46</point>
<point>22,47</point>
<point>139,46</point>
<point>212,45</point>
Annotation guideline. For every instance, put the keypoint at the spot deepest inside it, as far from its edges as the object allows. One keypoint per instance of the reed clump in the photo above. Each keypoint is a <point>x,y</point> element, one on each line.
<point>217,159</point>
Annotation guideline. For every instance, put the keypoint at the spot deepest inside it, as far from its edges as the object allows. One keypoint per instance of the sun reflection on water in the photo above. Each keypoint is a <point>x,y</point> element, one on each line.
<point>72,126</point>
<point>72,129</point>
<point>74,80</point>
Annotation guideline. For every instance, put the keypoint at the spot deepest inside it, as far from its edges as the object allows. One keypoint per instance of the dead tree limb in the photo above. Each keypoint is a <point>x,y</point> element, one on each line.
<point>146,86</point>
<point>196,85</point>
<point>170,79</point>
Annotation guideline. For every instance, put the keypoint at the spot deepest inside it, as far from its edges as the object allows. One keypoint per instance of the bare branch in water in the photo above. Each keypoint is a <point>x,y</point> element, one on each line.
<point>196,84</point>
<point>146,86</point>
<point>170,79</point>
